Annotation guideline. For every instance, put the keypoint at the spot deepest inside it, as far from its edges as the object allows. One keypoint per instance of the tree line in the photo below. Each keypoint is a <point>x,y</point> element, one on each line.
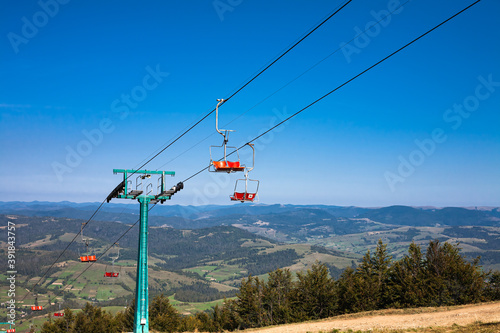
<point>438,276</point>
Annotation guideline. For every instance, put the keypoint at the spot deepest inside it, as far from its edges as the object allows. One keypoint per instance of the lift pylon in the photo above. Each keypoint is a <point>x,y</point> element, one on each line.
<point>143,192</point>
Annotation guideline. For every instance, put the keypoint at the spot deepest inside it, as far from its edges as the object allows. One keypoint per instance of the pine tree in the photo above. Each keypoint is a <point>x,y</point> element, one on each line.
<point>277,297</point>
<point>249,303</point>
<point>372,279</point>
<point>128,316</point>
<point>348,299</point>
<point>408,281</point>
<point>451,278</point>
<point>492,291</point>
<point>314,296</point>
<point>163,316</point>
<point>382,262</point>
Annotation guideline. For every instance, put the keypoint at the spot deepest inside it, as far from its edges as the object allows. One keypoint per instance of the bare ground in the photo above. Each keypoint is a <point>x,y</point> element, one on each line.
<point>402,320</point>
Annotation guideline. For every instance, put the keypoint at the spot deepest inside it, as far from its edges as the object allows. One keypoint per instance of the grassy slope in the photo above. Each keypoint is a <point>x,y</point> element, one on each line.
<point>472,318</point>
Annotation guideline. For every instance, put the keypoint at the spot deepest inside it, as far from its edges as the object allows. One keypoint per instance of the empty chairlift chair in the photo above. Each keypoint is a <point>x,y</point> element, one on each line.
<point>36,307</point>
<point>59,313</point>
<point>246,190</point>
<point>86,257</point>
<point>112,273</point>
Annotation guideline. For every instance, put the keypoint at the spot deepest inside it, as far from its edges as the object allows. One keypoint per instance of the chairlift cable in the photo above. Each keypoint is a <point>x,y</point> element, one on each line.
<point>66,248</point>
<point>345,83</point>
<point>289,49</point>
<point>291,81</point>
<point>300,39</point>
<point>71,242</point>
<point>91,264</point>
<point>247,83</point>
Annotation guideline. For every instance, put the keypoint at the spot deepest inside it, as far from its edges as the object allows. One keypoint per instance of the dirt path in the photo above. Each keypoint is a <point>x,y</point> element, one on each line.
<point>398,319</point>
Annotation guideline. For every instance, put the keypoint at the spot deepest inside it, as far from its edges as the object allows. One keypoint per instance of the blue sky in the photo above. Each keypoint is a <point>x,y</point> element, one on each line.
<point>422,128</point>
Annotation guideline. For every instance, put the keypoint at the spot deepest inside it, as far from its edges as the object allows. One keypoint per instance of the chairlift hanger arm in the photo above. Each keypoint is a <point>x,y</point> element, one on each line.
<point>253,158</point>
<point>84,240</point>
<point>226,132</point>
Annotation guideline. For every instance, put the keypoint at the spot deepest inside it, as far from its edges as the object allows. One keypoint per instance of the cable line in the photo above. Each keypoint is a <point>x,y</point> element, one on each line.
<point>91,264</point>
<point>335,11</point>
<point>291,81</point>
<point>345,83</point>
<point>249,81</point>
<point>66,248</point>
<point>289,49</point>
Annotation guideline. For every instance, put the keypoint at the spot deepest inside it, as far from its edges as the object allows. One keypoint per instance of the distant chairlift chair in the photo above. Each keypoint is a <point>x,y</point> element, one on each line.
<point>113,273</point>
<point>87,257</point>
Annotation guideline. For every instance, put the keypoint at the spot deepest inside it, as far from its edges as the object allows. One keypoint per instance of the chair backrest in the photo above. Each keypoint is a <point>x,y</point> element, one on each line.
<point>250,196</point>
<point>239,196</point>
<point>220,164</point>
<point>234,164</point>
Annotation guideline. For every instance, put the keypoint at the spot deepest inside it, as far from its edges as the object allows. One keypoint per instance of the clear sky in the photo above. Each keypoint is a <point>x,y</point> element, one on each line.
<point>88,86</point>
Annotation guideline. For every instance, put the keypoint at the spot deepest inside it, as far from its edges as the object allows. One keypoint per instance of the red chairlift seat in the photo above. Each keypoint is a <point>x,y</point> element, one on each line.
<point>227,166</point>
<point>111,274</point>
<point>88,258</point>
<point>243,196</point>
<point>58,314</point>
<point>11,330</point>
<point>36,308</point>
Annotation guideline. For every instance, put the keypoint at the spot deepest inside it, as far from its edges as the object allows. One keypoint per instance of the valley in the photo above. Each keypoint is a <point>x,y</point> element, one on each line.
<point>198,255</point>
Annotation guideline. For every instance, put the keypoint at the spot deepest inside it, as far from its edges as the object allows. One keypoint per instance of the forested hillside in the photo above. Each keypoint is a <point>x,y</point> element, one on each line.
<point>195,268</point>
<point>436,276</point>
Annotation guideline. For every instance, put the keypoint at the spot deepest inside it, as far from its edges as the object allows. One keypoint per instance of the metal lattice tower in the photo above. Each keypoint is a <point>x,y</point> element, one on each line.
<point>143,192</point>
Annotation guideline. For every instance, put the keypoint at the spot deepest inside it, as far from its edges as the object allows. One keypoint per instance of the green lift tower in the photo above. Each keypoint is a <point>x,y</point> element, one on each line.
<point>143,192</point>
